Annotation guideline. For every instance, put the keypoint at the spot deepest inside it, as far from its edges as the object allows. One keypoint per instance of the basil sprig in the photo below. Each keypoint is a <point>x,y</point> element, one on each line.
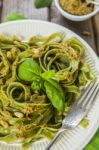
<point>42,3</point>
<point>30,71</point>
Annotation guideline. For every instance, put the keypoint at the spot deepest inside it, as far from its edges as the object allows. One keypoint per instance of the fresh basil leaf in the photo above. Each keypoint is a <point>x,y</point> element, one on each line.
<point>55,94</point>
<point>14,16</point>
<point>58,87</point>
<point>48,74</point>
<point>42,3</point>
<point>29,70</point>
<point>36,86</point>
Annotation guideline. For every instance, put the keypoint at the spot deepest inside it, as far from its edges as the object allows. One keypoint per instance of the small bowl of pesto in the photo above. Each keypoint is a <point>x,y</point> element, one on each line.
<point>76,10</point>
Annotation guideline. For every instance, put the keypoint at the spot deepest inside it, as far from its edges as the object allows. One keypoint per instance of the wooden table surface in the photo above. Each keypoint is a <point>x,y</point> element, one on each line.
<point>26,7</point>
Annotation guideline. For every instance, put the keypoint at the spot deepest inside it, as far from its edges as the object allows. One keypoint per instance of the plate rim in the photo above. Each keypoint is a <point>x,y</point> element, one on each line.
<point>92,52</point>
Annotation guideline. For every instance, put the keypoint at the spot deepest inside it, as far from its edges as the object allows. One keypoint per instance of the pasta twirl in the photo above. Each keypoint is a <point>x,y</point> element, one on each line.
<point>39,81</point>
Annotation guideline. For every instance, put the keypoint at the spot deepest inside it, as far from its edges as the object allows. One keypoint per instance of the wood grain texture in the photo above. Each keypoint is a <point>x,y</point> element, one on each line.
<point>1,5</point>
<point>96,31</point>
<point>77,27</point>
<point>26,7</point>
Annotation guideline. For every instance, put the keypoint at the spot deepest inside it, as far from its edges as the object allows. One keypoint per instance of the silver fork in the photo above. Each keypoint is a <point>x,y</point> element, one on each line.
<point>78,111</point>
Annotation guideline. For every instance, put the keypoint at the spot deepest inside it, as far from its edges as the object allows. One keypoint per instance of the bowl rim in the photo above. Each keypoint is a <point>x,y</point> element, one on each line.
<point>75,16</point>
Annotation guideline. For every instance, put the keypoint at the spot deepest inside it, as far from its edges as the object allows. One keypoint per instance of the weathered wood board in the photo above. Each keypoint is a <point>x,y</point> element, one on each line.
<point>26,7</point>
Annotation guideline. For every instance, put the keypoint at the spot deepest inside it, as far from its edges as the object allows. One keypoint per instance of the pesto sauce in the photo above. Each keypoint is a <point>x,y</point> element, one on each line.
<point>76,7</point>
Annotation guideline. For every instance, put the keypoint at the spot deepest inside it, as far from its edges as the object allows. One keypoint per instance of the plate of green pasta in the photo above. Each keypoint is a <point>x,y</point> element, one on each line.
<point>43,69</point>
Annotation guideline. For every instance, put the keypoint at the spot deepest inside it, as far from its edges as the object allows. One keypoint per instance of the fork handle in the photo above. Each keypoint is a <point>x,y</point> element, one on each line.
<point>54,140</point>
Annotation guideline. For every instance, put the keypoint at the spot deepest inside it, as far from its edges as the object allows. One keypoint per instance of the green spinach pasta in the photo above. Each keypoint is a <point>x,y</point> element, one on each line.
<point>39,81</point>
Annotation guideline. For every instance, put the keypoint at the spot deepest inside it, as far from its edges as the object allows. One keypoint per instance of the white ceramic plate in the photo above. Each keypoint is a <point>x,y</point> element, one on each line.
<point>79,137</point>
